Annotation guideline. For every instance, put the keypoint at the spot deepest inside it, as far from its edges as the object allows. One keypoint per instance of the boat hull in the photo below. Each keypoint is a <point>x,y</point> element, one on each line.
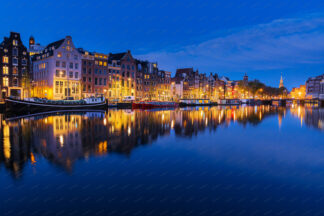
<point>20,106</point>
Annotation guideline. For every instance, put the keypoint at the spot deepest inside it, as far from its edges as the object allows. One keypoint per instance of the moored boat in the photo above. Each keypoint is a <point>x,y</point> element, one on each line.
<point>153,104</point>
<point>196,102</point>
<point>229,102</point>
<point>41,104</point>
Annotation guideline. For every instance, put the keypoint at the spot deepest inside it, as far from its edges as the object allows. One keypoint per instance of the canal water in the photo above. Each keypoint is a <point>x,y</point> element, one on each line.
<point>253,160</point>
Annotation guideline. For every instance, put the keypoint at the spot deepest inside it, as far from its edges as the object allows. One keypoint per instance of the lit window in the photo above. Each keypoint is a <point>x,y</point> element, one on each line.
<point>14,71</point>
<point>105,63</point>
<point>5,70</point>
<point>15,42</point>
<point>59,54</point>
<point>100,62</point>
<point>5,59</point>
<point>5,81</point>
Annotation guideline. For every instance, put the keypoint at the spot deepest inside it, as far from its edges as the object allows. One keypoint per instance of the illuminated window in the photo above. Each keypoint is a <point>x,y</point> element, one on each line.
<point>105,63</point>
<point>5,70</point>
<point>5,81</point>
<point>15,42</point>
<point>14,71</point>
<point>100,62</point>
<point>59,54</point>
<point>5,59</point>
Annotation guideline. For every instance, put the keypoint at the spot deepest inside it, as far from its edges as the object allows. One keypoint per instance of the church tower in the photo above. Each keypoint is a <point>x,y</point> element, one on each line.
<point>281,82</point>
<point>31,41</point>
<point>245,78</point>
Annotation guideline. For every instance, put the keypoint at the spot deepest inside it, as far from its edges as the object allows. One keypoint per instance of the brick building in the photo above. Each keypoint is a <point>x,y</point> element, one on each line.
<point>121,75</point>
<point>14,67</point>
<point>87,80</point>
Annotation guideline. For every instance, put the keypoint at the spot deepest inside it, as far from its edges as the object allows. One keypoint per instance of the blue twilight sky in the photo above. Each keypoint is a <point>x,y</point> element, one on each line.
<point>262,38</point>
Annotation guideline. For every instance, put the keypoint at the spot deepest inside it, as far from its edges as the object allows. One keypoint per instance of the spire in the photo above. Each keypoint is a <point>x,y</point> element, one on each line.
<point>281,82</point>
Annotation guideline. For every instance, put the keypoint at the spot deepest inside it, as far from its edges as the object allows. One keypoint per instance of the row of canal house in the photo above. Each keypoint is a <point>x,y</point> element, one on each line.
<point>60,70</point>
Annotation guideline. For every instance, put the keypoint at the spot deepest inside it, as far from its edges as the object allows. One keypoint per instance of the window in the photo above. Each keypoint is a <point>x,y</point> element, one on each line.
<point>89,79</point>
<point>96,71</point>
<point>100,81</point>
<point>14,51</point>
<point>15,42</point>
<point>71,65</point>
<point>57,73</point>
<point>63,73</point>
<point>59,54</point>
<point>14,71</point>
<point>99,71</point>
<point>64,64</point>
<point>133,67</point>
<point>24,62</point>
<point>15,82</point>
<point>75,57</point>
<point>105,63</point>
<point>5,81</point>
<point>5,70</point>
<point>14,61</point>
<point>76,65</point>
<point>105,81</point>
<point>128,67</point>
<point>57,63</point>
<point>5,59</point>
<point>71,74</point>
<point>76,75</point>
<point>96,81</point>
<point>84,79</point>
<point>89,70</point>
<point>84,70</point>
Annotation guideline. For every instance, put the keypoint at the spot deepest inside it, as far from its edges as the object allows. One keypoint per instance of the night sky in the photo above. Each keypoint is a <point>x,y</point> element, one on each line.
<point>262,38</point>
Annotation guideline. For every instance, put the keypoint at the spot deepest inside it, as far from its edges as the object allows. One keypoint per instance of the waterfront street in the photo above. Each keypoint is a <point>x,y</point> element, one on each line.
<point>240,160</point>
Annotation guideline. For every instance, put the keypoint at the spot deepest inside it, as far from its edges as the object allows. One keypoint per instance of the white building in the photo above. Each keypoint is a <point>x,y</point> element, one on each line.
<point>176,90</point>
<point>57,71</point>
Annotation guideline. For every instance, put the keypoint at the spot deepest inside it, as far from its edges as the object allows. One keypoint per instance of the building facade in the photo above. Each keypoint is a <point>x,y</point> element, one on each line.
<point>57,71</point>
<point>313,86</point>
<point>87,80</point>
<point>14,67</point>
<point>121,75</point>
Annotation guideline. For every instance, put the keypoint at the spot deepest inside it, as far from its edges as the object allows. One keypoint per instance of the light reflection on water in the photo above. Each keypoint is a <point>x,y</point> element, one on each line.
<point>256,143</point>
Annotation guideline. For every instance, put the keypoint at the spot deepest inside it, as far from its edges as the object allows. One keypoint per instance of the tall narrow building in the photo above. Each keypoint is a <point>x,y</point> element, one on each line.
<point>14,67</point>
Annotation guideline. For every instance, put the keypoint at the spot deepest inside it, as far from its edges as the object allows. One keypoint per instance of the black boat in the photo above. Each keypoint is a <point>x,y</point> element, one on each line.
<point>39,104</point>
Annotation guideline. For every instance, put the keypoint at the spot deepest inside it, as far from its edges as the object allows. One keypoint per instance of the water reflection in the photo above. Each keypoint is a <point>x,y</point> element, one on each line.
<point>64,138</point>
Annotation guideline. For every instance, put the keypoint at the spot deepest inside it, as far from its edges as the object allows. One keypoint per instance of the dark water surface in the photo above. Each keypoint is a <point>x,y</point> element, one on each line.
<point>205,161</point>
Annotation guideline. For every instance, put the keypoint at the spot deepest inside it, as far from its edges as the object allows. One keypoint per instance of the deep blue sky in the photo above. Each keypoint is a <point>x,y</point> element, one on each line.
<point>263,38</point>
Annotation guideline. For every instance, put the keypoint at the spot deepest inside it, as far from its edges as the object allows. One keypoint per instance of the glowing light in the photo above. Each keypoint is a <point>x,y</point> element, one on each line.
<point>62,140</point>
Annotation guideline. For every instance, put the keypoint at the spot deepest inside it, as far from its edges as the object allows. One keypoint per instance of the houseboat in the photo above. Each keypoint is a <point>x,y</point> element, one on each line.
<point>229,102</point>
<point>153,104</point>
<point>42,104</point>
<point>195,102</point>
